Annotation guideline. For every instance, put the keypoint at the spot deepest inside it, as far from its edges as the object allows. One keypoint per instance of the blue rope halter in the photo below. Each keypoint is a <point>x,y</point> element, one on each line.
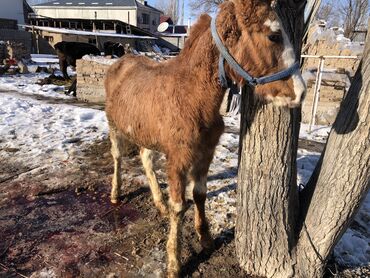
<point>225,55</point>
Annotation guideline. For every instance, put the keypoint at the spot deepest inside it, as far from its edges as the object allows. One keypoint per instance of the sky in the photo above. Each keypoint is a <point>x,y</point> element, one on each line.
<point>187,9</point>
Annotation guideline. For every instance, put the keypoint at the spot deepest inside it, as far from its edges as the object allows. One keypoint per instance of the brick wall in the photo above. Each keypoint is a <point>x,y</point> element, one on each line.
<point>90,79</point>
<point>326,48</point>
<point>322,41</point>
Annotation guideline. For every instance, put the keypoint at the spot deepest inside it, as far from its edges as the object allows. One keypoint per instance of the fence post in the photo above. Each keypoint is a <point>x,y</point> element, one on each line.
<point>316,96</point>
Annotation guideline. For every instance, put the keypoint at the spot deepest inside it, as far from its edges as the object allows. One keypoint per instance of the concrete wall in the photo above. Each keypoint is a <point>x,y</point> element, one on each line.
<point>90,81</point>
<point>176,41</point>
<point>125,15</point>
<point>12,9</point>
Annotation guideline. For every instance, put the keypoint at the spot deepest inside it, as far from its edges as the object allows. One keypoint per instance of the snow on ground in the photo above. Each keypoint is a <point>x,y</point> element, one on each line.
<point>99,59</point>
<point>44,58</point>
<point>45,133</point>
<point>306,162</point>
<point>48,134</point>
<point>318,133</point>
<point>26,84</point>
<point>353,248</point>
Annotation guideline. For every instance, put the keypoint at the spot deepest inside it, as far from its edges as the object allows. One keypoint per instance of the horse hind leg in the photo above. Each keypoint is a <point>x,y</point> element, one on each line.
<point>147,157</point>
<point>117,152</point>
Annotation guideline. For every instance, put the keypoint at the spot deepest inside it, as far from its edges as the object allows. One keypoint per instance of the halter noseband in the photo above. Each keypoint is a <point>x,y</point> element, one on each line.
<point>225,55</point>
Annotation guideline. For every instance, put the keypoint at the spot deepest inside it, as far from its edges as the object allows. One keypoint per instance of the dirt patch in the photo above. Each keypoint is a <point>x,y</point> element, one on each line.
<point>60,223</point>
<point>72,230</point>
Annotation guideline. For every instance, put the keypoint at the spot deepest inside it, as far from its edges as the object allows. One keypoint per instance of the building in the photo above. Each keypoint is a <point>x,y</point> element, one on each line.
<point>136,13</point>
<point>174,34</point>
<point>11,14</point>
<point>12,10</point>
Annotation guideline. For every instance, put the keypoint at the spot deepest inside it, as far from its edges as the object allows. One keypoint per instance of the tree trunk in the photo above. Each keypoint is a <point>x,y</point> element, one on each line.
<point>344,177</point>
<point>267,191</point>
<point>275,237</point>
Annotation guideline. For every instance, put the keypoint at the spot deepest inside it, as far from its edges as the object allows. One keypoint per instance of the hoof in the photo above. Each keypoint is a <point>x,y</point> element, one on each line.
<point>163,210</point>
<point>114,201</point>
<point>173,274</point>
<point>207,242</point>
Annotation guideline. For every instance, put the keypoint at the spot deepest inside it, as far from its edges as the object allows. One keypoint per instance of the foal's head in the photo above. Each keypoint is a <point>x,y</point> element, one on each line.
<point>255,36</point>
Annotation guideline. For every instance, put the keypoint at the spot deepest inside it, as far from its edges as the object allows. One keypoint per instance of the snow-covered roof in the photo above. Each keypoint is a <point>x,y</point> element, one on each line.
<point>88,33</point>
<point>88,3</point>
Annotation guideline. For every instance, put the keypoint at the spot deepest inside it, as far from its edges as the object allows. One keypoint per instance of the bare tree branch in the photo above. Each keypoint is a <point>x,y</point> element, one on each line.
<point>204,6</point>
<point>169,8</point>
<point>355,14</point>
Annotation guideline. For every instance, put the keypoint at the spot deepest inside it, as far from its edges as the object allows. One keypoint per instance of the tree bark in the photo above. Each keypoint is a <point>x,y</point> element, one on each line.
<point>266,194</point>
<point>275,235</point>
<point>267,191</point>
<point>343,180</point>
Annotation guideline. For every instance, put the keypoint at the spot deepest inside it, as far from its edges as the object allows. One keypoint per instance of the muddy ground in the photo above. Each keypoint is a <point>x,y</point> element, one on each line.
<point>59,222</point>
<point>72,230</point>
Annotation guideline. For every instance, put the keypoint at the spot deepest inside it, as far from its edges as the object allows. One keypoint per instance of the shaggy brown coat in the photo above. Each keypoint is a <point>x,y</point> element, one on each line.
<point>173,107</point>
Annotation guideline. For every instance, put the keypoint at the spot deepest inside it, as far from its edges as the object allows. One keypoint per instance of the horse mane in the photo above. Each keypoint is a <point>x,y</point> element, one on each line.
<point>228,30</point>
<point>196,32</point>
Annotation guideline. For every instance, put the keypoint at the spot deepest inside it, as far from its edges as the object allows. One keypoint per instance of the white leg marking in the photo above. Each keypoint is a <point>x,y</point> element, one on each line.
<point>147,157</point>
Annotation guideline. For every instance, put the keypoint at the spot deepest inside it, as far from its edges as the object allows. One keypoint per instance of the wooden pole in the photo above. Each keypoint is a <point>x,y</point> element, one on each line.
<point>315,102</point>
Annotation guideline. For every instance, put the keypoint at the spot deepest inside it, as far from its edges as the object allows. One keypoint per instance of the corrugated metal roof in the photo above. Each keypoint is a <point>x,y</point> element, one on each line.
<point>89,3</point>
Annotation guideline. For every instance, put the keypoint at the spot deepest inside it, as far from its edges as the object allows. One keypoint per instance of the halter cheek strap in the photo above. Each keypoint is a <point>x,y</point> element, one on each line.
<point>225,55</point>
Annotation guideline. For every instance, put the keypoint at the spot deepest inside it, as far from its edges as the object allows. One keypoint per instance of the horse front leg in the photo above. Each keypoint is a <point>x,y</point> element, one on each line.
<point>198,177</point>
<point>147,157</point>
<point>116,150</point>
<point>177,208</point>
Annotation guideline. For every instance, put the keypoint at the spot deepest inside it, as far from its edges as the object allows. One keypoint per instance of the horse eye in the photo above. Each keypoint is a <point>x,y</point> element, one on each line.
<point>275,38</point>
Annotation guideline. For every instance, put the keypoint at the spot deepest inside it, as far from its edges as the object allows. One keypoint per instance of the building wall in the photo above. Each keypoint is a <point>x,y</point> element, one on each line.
<point>177,41</point>
<point>8,24</point>
<point>46,40</point>
<point>12,9</point>
<point>125,15</point>
<point>154,18</point>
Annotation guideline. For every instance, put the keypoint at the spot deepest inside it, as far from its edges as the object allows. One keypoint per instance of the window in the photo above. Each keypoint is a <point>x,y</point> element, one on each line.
<point>154,22</point>
<point>49,38</point>
<point>146,18</point>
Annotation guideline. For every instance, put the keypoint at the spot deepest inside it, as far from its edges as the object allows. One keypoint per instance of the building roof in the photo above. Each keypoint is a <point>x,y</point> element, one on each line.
<point>87,33</point>
<point>148,6</point>
<point>88,3</point>
<point>165,18</point>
